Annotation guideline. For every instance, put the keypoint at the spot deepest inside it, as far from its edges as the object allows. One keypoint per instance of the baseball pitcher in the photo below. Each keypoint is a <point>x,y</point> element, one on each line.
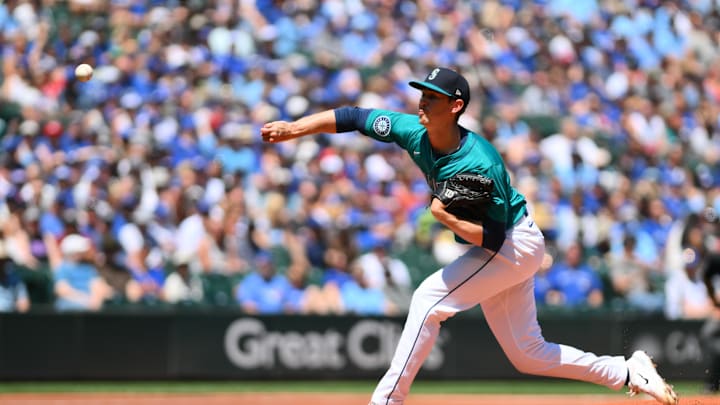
<point>473,197</point>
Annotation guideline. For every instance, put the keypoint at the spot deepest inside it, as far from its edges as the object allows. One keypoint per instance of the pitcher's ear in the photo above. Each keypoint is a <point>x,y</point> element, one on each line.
<point>458,106</point>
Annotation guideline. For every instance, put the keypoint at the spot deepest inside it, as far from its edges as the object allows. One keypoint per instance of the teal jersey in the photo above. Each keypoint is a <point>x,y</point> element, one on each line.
<point>476,155</point>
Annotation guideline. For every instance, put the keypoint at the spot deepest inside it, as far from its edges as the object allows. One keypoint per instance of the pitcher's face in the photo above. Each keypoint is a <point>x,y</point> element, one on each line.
<point>434,106</point>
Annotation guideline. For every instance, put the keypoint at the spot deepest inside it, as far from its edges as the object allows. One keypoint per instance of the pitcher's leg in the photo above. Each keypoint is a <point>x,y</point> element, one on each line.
<point>471,279</point>
<point>443,294</point>
<point>416,341</point>
<point>464,283</point>
<point>512,317</point>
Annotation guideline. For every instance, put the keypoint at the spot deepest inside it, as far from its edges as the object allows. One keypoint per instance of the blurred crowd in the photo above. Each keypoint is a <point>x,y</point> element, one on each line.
<point>150,185</point>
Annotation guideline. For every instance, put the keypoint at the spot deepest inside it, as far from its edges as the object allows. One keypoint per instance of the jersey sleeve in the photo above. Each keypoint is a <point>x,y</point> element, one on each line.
<point>391,126</point>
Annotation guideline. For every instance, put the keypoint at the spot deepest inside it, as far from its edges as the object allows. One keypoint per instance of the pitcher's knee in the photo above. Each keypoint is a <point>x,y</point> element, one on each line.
<point>531,357</point>
<point>425,301</point>
<point>527,367</point>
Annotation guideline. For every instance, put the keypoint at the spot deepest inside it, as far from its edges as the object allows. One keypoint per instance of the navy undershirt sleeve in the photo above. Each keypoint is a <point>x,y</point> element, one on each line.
<point>350,118</point>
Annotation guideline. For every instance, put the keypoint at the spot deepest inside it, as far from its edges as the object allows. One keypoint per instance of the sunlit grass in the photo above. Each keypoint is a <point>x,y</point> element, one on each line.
<point>421,386</point>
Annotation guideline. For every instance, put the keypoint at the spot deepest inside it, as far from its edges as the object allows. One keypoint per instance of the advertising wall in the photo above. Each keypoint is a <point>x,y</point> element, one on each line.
<point>212,345</point>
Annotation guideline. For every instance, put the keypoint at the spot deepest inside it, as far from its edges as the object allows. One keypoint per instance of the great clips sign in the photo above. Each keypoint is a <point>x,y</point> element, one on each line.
<point>227,345</point>
<point>366,344</point>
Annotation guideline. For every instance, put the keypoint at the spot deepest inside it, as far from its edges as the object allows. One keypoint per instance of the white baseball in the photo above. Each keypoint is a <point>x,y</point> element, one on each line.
<point>83,72</point>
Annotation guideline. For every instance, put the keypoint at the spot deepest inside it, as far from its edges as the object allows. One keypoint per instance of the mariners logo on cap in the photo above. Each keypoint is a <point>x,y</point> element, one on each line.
<point>382,126</point>
<point>433,74</point>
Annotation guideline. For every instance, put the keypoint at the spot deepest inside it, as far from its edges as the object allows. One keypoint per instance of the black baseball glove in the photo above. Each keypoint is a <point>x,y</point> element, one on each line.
<point>465,195</point>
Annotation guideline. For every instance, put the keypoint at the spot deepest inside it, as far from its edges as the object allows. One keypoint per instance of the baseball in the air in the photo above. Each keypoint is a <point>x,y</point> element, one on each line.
<point>83,72</point>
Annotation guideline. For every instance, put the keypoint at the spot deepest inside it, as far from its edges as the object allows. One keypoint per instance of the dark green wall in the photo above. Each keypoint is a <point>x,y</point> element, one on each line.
<point>230,345</point>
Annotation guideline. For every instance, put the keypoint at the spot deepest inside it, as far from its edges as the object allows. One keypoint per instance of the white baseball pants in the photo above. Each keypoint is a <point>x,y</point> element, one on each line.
<point>502,283</point>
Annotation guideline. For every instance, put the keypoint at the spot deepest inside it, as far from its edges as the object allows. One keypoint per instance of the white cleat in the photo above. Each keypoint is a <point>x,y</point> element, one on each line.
<point>645,378</point>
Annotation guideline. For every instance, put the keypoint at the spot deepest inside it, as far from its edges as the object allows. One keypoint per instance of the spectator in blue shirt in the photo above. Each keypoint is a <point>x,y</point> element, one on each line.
<point>78,285</point>
<point>545,292</point>
<point>576,281</point>
<point>234,153</point>
<point>360,298</point>
<point>263,291</point>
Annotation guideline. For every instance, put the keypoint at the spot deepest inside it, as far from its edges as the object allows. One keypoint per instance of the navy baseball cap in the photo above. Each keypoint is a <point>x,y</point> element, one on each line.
<point>445,81</point>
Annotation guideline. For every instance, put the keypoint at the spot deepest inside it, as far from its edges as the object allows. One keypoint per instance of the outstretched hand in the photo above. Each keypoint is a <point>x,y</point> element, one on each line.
<point>279,131</point>
<point>276,131</point>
